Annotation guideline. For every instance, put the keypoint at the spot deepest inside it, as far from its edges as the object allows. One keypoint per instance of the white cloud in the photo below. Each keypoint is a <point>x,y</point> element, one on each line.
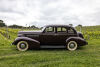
<point>42,12</point>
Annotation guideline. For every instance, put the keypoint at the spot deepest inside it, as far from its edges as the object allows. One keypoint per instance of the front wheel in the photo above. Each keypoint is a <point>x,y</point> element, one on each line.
<point>22,46</point>
<point>72,45</point>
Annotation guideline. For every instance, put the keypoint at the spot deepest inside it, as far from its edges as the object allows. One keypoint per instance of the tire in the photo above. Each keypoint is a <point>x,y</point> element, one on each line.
<point>22,46</point>
<point>72,45</point>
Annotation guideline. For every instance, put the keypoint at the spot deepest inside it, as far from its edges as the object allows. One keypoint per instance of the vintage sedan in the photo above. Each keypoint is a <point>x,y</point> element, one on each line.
<point>51,36</point>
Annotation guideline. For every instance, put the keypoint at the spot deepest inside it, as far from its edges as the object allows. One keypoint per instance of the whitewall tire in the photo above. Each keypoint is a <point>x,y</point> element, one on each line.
<point>72,45</point>
<point>22,46</point>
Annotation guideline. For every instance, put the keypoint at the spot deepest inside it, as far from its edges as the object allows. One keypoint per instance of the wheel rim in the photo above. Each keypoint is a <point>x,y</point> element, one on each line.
<point>72,45</point>
<point>22,46</point>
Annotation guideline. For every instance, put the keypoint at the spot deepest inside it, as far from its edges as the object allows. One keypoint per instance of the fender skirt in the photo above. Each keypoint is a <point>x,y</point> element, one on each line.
<point>80,41</point>
<point>32,42</point>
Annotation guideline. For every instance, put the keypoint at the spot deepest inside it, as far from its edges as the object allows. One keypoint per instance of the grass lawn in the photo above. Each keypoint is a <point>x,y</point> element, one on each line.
<point>86,56</point>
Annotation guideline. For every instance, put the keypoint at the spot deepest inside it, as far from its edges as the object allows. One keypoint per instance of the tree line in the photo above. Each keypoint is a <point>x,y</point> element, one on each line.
<point>2,24</point>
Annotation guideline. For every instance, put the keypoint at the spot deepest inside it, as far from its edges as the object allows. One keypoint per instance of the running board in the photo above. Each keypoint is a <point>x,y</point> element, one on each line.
<point>47,46</point>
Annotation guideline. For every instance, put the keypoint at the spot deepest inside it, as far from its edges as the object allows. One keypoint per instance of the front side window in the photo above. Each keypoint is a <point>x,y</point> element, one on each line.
<point>49,29</point>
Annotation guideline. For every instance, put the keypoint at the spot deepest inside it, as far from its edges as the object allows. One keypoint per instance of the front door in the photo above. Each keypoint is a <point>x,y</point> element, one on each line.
<point>48,36</point>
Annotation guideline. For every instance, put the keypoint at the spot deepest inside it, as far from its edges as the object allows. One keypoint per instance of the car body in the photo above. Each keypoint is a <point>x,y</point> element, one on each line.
<point>50,35</point>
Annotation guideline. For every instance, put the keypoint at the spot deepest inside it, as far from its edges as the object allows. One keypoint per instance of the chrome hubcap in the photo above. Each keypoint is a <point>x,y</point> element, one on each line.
<point>22,46</point>
<point>72,45</point>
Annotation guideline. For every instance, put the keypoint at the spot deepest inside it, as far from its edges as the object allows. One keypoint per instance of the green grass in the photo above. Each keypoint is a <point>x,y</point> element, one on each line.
<point>86,56</point>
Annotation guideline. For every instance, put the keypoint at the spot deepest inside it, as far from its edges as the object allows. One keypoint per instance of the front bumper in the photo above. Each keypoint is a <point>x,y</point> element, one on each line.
<point>84,43</point>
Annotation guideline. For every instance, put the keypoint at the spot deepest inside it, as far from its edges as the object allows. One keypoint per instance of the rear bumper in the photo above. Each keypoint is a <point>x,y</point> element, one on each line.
<point>12,43</point>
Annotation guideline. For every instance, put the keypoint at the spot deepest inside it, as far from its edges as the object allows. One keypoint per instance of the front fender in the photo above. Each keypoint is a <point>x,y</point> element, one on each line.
<point>32,42</point>
<point>80,41</point>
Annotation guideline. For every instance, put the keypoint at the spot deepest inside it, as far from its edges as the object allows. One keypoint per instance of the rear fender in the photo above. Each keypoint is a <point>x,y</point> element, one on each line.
<point>80,41</point>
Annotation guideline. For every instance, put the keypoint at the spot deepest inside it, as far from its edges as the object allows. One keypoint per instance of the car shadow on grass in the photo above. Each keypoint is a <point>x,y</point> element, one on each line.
<point>56,49</point>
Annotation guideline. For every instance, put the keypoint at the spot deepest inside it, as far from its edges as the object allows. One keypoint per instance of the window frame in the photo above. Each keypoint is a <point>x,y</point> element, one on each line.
<point>54,30</point>
<point>74,32</point>
<point>61,30</point>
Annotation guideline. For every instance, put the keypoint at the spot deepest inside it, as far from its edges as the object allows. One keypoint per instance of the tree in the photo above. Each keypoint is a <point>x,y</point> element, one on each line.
<point>2,24</point>
<point>80,27</point>
<point>70,24</point>
<point>34,27</point>
<point>15,26</point>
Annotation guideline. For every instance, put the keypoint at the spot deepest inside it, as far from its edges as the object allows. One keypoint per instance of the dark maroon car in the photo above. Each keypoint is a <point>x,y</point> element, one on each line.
<point>51,36</point>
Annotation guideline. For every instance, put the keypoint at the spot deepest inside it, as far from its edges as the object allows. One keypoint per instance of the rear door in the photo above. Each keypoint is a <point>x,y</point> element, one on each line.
<point>61,35</point>
<point>64,33</point>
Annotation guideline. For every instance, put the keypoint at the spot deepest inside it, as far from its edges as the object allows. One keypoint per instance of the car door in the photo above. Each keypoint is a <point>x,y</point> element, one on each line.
<point>48,36</point>
<point>61,35</point>
<point>64,33</point>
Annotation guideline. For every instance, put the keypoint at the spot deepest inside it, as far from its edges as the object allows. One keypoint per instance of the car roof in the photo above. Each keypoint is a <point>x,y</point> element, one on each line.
<point>58,25</point>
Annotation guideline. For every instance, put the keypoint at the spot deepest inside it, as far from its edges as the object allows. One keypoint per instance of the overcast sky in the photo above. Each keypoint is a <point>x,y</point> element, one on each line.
<point>42,12</point>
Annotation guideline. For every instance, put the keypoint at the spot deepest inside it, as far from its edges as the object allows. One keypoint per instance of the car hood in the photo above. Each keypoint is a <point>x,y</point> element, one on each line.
<point>29,32</point>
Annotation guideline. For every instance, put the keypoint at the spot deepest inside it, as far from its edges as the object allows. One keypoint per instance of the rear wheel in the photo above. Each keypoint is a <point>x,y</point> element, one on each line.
<point>22,46</point>
<point>72,45</point>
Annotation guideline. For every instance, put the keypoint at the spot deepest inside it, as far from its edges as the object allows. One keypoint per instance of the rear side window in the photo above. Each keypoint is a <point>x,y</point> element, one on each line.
<point>64,29</point>
<point>70,31</point>
<point>61,29</point>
